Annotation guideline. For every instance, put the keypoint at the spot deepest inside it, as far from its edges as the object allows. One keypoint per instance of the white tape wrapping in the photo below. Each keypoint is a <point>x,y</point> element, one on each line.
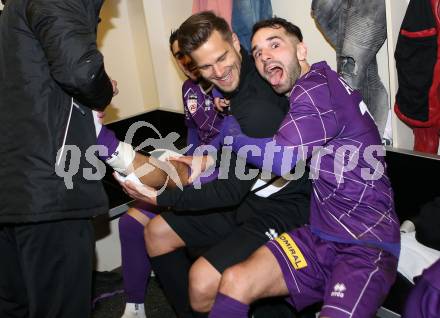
<point>164,154</point>
<point>122,158</point>
<point>131,177</point>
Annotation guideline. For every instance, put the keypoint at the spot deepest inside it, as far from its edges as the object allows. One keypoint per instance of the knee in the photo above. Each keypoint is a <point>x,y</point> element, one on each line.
<point>236,283</point>
<point>203,286</point>
<point>153,233</point>
<point>160,238</point>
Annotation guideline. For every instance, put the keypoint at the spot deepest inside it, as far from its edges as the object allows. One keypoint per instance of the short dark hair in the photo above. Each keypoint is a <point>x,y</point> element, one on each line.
<point>276,23</point>
<point>196,30</point>
<point>173,38</point>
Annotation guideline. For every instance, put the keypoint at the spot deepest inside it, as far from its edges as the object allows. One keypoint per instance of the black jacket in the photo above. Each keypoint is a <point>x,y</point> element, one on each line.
<point>259,111</point>
<point>49,57</point>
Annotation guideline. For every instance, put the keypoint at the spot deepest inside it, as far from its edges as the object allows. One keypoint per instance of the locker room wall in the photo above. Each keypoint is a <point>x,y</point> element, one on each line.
<point>134,40</point>
<point>137,31</point>
<point>124,41</point>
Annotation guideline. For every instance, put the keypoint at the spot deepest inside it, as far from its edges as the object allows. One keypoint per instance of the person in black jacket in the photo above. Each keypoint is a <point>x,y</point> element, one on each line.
<point>51,77</point>
<point>228,217</point>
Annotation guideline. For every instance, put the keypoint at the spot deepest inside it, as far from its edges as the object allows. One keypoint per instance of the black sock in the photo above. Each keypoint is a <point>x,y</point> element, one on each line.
<point>172,271</point>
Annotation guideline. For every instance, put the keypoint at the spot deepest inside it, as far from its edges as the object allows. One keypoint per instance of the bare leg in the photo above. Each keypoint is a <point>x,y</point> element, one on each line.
<point>161,238</point>
<point>204,281</point>
<point>258,277</point>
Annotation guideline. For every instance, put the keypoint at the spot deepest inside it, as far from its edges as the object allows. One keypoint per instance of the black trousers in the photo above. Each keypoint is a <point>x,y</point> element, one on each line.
<point>46,269</point>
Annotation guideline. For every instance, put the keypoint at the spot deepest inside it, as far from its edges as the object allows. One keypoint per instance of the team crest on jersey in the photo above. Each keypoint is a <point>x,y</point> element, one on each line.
<point>191,103</point>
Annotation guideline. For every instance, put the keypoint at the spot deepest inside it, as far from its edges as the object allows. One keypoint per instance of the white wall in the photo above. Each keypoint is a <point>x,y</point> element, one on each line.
<point>123,40</point>
<point>162,17</point>
<point>298,12</point>
<point>108,249</point>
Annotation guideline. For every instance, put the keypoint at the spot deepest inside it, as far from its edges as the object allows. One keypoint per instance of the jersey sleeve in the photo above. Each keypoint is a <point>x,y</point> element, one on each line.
<point>306,127</point>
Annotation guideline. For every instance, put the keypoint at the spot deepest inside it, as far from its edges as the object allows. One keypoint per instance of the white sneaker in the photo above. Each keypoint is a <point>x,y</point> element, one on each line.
<point>133,310</point>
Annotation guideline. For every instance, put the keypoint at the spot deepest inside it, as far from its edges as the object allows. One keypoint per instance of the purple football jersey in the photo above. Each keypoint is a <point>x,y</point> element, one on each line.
<point>325,111</point>
<point>329,125</point>
<point>200,112</point>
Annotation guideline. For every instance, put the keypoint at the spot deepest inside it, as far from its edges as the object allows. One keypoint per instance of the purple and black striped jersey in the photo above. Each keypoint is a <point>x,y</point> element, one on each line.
<point>201,117</point>
<point>328,125</point>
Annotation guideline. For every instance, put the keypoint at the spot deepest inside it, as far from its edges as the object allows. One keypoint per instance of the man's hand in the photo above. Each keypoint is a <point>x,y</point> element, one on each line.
<point>115,87</point>
<point>198,164</point>
<point>221,104</point>
<point>140,192</point>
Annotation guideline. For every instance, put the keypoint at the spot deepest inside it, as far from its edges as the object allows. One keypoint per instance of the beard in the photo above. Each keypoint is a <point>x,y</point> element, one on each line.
<point>294,71</point>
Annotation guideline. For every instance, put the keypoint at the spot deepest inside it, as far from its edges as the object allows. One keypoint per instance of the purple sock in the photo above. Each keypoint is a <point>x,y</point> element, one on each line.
<point>225,306</point>
<point>108,139</point>
<point>136,267</point>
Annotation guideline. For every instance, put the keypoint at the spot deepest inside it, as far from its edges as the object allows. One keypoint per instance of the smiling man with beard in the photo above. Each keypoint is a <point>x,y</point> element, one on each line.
<point>225,216</point>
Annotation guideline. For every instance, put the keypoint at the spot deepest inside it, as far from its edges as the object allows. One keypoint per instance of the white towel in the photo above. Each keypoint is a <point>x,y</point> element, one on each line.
<point>414,257</point>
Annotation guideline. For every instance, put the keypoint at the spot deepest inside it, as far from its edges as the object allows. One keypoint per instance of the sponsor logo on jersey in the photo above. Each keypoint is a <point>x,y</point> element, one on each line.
<point>292,251</point>
<point>338,290</point>
<point>191,103</point>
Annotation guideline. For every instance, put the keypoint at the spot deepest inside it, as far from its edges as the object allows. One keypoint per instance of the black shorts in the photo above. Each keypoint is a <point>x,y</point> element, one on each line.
<point>228,239</point>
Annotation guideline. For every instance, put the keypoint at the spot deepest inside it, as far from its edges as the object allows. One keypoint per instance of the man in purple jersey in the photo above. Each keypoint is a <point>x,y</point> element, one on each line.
<point>424,299</point>
<point>347,257</point>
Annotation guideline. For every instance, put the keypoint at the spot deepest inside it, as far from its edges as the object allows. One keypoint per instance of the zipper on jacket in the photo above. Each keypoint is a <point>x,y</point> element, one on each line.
<point>72,104</point>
